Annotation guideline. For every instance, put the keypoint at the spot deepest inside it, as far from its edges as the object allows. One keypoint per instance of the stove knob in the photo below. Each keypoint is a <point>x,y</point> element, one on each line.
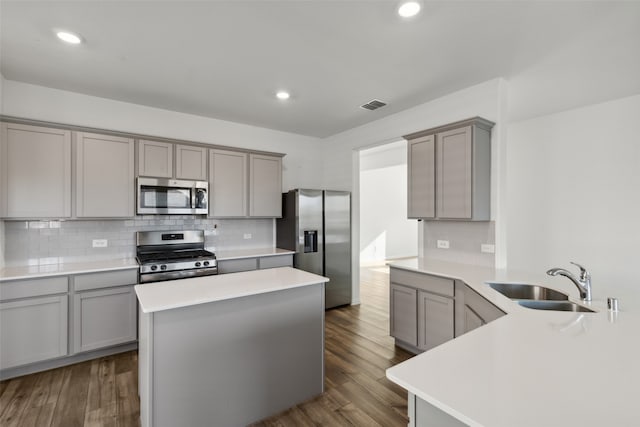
<point>154,267</point>
<point>206,263</point>
<point>163,267</point>
<point>198,264</point>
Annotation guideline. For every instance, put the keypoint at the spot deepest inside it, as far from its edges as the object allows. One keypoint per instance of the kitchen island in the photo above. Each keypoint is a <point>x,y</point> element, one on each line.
<point>229,349</point>
<point>529,367</point>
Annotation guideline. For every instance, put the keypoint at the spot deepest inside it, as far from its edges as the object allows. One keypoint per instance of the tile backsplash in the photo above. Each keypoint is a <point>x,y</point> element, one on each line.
<point>50,242</point>
<point>464,239</point>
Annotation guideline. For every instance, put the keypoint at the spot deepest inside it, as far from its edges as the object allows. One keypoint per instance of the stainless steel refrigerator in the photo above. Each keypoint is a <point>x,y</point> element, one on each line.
<point>317,225</point>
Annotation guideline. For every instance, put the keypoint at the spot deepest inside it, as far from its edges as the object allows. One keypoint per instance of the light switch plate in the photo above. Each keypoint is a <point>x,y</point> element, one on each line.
<point>488,249</point>
<point>247,236</point>
<point>100,243</point>
<point>442,244</point>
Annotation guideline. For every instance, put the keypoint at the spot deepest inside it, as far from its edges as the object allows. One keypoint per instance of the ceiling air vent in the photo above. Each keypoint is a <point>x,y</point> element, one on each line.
<point>374,104</point>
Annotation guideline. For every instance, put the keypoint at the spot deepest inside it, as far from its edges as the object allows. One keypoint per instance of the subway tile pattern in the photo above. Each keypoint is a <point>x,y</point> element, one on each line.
<point>51,242</point>
<point>464,239</point>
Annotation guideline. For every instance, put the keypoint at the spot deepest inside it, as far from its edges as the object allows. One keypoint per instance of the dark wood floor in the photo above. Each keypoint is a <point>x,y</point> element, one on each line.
<point>104,392</point>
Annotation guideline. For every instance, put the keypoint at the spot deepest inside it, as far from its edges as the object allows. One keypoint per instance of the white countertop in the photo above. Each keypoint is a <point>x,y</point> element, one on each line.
<point>222,255</point>
<point>530,367</point>
<point>199,290</point>
<point>36,271</point>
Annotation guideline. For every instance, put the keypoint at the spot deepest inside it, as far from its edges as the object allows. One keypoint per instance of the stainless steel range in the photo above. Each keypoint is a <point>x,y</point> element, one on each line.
<point>169,255</point>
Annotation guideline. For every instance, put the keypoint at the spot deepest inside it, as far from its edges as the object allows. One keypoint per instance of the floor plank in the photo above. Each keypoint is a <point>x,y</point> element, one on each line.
<point>358,350</point>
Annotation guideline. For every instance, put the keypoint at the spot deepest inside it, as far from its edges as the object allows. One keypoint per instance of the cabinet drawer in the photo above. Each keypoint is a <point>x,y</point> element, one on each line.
<point>483,308</point>
<point>33,287</point>
<point>107,279</point>
<point>237,265</point>
<point>425,282</point>
<point>276,261</point>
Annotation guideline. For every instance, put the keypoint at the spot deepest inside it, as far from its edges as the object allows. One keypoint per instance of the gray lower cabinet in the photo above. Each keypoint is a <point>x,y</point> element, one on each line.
<point>104,318</point>
<point>471,319</point>
<point>254,263</point>
<point>33,320</point>
<point>275,261</point>
<point>403,315</point>
<point>426,311</point>
<point>472,310</point>
<point>104,309</point>
<point>45,323</point>
<point>435,320</point>
<point>421,309</point>
<point>237,265</point>
<point>33,330</point>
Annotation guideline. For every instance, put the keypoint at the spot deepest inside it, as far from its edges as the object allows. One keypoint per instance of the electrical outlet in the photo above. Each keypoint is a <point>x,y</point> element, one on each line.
<point>442,244</point>
<point>100,243</point>
<point>488,249</point>
<point>247,236</point>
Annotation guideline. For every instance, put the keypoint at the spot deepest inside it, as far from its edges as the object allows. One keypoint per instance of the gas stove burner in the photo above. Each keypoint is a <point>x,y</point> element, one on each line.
<point>169,255</point>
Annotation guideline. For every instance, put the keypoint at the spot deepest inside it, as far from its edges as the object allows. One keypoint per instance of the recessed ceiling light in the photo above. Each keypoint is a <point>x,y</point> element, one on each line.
<point>283,95</point>
<point>68,37</point>
<point>409,9</point>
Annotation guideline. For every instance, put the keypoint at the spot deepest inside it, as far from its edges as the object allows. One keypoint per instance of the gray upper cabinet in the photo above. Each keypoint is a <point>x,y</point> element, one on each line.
<point>155,159</point>
<point>422,177</point>
<point>244,184</point>
<point>167,160</point>
<point>458,155</point>
<point>104,176</point>
<point>454,174</point>
<point>191,162</point>
<point>228,184</point>
<point>35,172</point>
<point>265,186</point>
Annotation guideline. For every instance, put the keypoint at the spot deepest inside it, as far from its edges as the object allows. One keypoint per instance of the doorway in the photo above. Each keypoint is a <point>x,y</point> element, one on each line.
<point>385,232</point>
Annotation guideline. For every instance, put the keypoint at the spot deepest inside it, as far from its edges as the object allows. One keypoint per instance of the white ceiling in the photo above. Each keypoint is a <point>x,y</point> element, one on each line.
<point>226,59</point>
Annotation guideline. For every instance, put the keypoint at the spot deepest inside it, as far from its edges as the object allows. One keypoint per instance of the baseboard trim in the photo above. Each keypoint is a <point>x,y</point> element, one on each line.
<point>19,371</point>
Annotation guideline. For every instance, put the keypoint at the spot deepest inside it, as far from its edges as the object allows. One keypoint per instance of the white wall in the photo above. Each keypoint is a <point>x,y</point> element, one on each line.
<point>479,100</point>
<point>385,231</point>
<point>573,193</point>
<point>300,165</point>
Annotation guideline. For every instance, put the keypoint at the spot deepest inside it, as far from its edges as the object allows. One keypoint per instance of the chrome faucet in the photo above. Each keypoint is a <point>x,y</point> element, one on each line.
<point>583,282</point>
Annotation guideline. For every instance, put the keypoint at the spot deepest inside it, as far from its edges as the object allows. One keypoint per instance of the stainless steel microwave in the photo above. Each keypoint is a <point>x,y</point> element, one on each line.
<point>172,196</point>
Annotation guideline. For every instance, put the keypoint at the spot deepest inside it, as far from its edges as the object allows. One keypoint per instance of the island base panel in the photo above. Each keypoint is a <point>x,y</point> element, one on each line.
<point>423,414</point>
<point>237,361</point>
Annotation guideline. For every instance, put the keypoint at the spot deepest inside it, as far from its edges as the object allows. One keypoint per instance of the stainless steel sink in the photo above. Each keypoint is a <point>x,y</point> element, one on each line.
<point>521,291</point>
<point>554,306</point>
